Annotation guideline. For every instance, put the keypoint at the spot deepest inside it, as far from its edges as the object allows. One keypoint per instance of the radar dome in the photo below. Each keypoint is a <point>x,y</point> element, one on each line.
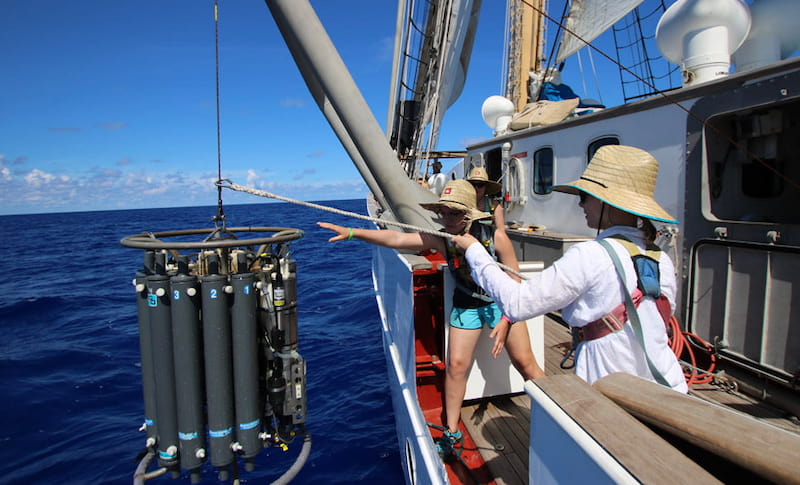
<point>773,35</point>
<point>497,112</point>
<point>701,35</point>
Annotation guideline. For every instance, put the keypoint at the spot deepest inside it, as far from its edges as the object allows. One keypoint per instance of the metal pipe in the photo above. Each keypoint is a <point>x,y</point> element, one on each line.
<point>312,48</point>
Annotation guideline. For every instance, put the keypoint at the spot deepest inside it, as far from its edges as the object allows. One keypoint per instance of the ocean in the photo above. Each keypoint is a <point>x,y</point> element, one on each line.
<point>69,355</point>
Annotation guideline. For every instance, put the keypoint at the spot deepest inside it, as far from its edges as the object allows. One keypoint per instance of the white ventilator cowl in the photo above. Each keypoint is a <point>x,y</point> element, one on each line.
<point>497,112</point>
<point>701,35</point>
<point>773,34</point>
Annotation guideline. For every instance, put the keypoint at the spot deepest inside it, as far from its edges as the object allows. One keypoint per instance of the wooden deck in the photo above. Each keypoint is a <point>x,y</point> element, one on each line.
<point>500,426</point>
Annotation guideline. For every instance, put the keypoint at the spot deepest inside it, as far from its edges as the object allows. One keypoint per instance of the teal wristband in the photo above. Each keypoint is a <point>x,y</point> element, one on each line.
<point>350,236</point>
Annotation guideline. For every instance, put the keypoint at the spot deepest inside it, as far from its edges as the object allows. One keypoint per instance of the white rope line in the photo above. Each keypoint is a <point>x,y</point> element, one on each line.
<point>227,184</point>
<point>264,193</point>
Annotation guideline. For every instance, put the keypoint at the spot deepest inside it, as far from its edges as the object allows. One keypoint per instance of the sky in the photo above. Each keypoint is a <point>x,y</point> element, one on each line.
<point>112,104</point>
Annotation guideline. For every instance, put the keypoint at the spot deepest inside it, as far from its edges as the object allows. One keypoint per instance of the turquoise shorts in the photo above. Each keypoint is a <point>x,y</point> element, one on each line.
<point>475,318</point>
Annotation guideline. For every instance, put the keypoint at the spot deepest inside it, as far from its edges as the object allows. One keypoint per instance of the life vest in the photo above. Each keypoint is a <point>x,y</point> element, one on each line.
<point>467,293</point>
<point>648,275</point>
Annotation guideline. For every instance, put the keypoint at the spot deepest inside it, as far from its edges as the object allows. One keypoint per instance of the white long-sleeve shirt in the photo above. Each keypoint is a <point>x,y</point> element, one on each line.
<point>436,183</point>
<point>584,285</point>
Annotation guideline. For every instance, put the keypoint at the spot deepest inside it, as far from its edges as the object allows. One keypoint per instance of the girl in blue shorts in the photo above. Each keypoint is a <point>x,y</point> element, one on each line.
<point>471,307</point>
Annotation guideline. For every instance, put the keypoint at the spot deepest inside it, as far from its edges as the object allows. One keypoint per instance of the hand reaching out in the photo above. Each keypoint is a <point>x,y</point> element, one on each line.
<point>342,233</point>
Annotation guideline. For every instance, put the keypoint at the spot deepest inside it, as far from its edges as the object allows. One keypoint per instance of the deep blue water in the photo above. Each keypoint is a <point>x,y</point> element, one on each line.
<point>69,352</point>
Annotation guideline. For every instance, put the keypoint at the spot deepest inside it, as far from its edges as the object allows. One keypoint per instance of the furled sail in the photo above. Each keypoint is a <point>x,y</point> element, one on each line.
<point>588,19</point>
<point>433,47</point>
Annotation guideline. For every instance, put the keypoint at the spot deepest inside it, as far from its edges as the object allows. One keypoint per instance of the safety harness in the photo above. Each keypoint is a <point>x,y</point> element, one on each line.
<point>648,284</point>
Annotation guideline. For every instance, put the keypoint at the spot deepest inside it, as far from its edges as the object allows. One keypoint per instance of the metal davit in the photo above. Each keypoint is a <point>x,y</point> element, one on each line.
<point>221,375</point>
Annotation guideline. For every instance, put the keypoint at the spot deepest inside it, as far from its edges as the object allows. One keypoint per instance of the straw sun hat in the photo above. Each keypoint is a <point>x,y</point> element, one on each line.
<point>478,174</point>
<point>458,195</point>
<point>624,177</point>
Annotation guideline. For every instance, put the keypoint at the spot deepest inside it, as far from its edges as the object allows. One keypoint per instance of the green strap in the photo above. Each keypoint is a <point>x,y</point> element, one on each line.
<point>633,315</point>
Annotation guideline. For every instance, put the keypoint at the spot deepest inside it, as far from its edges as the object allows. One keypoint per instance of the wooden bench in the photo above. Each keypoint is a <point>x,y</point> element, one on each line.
<point>766,450</point>
<point>601,432</point>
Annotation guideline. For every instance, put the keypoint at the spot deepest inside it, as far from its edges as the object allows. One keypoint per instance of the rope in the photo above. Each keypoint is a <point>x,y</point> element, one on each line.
<point>225,183</point>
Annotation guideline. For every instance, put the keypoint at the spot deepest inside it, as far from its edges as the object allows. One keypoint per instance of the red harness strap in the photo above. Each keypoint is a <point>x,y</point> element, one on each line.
<point>615,320</point>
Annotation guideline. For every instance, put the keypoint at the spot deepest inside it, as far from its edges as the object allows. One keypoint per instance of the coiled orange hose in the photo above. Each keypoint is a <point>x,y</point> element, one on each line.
<point>681,343</point>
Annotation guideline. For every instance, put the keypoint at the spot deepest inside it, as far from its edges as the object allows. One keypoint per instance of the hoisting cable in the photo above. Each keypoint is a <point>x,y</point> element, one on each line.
<point>220,217</point>
<point>226,183</point>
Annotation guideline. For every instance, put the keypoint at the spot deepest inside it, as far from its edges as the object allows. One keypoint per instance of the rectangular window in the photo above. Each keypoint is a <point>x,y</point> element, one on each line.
<point>543,171</point>
<point>752,163</point>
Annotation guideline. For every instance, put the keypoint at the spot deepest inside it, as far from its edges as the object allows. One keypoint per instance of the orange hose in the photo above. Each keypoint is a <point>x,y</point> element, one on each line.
<point>680,345</point>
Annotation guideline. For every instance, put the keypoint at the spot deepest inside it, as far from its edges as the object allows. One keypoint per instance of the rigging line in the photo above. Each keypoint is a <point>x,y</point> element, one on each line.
<point>220,215</point>
<point>594,74</point>
<point>669,98</point>
<point>226,183</point>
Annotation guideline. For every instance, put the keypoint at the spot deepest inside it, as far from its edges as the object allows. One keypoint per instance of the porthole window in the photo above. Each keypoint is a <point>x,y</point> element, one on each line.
<point>543,171</point>
<point>600,142</point>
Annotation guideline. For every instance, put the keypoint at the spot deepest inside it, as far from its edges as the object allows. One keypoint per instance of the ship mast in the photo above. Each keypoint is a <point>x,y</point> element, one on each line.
<point>525,47</point>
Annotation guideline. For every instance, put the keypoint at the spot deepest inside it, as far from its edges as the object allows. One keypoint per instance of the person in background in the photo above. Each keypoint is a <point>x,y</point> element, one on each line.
<point>437,180</point>
<point>487,193</point>
<point>616,194</point>
<point>471,308</point>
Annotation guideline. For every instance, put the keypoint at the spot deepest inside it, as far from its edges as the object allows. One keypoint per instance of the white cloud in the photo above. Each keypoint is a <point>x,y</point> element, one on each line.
<point>37,178</point>
<point>111,188</point>
<point>253,180</point>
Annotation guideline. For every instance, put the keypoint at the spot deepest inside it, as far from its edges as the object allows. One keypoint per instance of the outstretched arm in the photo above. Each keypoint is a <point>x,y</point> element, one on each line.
<point>384,237</point>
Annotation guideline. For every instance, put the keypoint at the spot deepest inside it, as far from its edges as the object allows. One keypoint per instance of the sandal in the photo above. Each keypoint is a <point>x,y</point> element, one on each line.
<point>449,444</point>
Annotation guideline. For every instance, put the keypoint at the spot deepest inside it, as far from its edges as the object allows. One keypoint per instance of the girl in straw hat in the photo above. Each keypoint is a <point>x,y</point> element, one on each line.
<point>471,308</point>
<point>616,194</point>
